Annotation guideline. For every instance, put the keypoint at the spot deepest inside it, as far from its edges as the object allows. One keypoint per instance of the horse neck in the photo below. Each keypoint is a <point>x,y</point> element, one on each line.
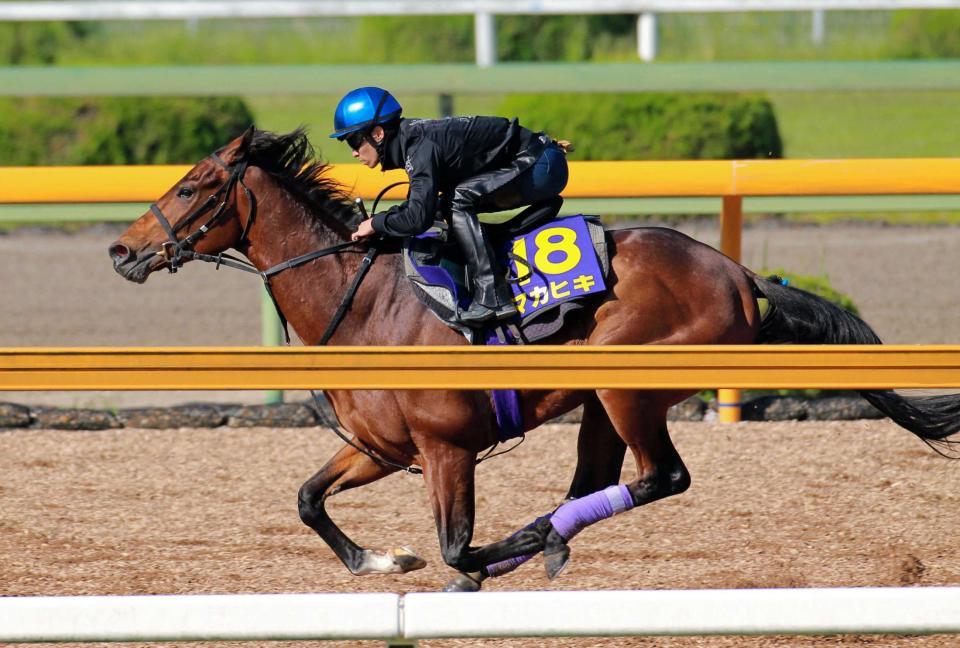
<point>309,295</point>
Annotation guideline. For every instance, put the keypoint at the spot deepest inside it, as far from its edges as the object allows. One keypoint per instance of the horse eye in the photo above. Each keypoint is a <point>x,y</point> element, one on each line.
<point>185,192</point>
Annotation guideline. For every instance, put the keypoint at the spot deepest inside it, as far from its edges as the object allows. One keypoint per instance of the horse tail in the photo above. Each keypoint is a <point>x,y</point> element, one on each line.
<point>799,317</point>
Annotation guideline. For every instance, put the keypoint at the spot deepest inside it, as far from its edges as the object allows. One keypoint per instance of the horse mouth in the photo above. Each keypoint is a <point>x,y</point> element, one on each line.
<point>137,270</point>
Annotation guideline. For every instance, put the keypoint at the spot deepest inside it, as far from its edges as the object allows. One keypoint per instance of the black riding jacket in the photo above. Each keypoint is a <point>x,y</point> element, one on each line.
<point>439,154</point>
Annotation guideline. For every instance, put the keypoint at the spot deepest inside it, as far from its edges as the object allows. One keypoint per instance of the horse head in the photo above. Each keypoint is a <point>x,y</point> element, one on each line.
<point>207,211</point>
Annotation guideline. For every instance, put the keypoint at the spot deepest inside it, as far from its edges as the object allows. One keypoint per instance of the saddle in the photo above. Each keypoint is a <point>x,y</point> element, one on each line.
<point>553,265</point>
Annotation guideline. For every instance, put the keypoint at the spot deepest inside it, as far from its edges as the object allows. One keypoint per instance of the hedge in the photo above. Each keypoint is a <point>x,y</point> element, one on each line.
<point>121,130</point>
<point>927,34</point>
<point>653,126</point>
<point>818,285</point>
<point>40,43</point>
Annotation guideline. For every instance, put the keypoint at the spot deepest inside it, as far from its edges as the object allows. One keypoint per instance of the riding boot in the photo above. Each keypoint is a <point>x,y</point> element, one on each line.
<point>490,300</point>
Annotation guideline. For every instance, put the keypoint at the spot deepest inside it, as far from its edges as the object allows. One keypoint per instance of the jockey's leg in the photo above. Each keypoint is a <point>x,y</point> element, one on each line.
<point>489,299</point>
<point>498,190</point>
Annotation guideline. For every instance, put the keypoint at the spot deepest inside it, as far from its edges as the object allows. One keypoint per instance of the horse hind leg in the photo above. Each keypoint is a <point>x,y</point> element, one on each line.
<point>600,451</point>
<point>347,469</point>
<point>639,418</point>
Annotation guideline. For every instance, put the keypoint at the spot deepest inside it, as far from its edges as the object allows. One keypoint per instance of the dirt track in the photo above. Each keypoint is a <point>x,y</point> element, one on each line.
<point>214,511</point>
<point>772,505</point>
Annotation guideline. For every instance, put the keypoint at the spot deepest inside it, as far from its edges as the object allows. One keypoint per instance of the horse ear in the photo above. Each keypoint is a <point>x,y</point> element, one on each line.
<point>237,149</point>
<point>248,137</point>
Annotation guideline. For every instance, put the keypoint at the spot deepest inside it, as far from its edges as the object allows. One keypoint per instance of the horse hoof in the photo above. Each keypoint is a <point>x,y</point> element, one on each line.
<point>556,553</point>
<point>464,583</point>
<point>407,559</point>
<point>556,560</point>
<point>399,560</point>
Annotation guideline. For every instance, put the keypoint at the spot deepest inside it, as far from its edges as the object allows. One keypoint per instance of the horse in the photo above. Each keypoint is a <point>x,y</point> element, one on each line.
<point>269,197</point>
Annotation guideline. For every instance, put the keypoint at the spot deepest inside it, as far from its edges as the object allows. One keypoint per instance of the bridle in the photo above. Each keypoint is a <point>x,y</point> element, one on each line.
<point>176,250</point>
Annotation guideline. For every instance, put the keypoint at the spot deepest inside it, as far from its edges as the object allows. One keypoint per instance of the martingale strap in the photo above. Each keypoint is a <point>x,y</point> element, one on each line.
<point>176,251</point>
<point>183,250</point>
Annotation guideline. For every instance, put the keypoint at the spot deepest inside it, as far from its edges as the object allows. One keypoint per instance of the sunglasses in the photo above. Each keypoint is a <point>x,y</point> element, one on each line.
<point>355,140</point>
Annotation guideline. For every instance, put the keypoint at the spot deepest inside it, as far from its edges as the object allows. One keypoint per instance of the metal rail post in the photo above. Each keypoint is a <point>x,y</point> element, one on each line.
<point>818,26</point>
<point>271,335</point>
<point>647,36</point>
<point>485,39</point>
<point>731,228</point>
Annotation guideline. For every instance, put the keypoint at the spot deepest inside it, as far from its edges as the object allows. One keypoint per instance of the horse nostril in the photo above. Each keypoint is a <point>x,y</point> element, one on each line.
<point>120,253</point>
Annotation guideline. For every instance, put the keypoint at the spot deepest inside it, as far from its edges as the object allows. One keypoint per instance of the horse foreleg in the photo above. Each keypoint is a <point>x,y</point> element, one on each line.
<point>350,468</point>
<point>449,475</point>
<point>600,453</point>
<point>640,423</point>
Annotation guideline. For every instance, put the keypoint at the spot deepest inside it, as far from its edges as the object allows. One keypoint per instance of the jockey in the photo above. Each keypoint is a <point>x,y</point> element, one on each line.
<point>460,165</point>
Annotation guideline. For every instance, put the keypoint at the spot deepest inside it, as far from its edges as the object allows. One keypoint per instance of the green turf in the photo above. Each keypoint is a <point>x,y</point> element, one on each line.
<point>868,124</point>
<point>742,36</point>
<point>850,35</point>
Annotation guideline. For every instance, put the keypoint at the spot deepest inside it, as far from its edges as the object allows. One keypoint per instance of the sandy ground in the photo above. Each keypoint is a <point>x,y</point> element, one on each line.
<point>59,289</point>
<point>214,511</point>
<point>210,511</point>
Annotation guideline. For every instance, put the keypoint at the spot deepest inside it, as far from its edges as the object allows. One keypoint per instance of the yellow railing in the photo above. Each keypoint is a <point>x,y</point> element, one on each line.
<point>465,367</point>
<point>729,179</point>
<point>587,179</point>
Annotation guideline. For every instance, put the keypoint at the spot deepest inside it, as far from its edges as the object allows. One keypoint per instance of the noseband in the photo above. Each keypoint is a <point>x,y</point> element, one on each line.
<point>175,250</point>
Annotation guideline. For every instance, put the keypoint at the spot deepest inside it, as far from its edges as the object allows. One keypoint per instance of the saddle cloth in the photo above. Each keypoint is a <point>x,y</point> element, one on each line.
<point>554,269</point>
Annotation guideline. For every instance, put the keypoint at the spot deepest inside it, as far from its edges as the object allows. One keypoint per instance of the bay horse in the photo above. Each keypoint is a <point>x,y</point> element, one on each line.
<point>267,196</point>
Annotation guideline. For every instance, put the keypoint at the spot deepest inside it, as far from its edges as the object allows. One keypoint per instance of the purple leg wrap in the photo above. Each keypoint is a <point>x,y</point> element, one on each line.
<point>571,518</point>
<point>508,565</point>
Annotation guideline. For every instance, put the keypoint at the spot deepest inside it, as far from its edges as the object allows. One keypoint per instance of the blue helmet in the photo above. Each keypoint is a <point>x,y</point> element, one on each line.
<point>364,108</point>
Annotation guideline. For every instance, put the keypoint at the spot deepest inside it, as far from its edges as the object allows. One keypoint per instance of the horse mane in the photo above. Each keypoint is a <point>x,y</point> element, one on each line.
<point>291,160</point>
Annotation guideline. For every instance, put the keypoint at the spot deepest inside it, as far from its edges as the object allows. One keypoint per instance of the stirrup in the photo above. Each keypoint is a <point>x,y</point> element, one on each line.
<point>477,314</point>
<point>505,311</point>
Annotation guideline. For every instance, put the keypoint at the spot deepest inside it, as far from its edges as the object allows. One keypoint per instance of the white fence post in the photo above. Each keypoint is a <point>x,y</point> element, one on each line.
<point>647,36</point>
<point>485,35</point>
<point>818,28</point>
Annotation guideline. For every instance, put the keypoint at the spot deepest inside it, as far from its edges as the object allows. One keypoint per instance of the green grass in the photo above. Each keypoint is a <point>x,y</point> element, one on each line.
<point>868,124</point>
<point>322,40</point>
<point>850,35</point>
<point>813,125</point>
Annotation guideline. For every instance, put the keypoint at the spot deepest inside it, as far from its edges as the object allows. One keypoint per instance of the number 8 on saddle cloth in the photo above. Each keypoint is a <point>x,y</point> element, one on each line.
<point>552,269</point>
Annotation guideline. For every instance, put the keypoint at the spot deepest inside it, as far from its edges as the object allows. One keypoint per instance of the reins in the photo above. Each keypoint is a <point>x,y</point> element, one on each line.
<point>176,251</point>
<point>332,326</point>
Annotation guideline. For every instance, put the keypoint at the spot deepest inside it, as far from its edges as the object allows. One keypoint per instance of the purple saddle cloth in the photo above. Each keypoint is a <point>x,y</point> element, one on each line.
<point>555,267</point>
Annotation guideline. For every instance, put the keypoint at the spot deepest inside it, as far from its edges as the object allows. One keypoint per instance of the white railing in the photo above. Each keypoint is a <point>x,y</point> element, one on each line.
<point>483,10</point>
<point>404,619</point>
